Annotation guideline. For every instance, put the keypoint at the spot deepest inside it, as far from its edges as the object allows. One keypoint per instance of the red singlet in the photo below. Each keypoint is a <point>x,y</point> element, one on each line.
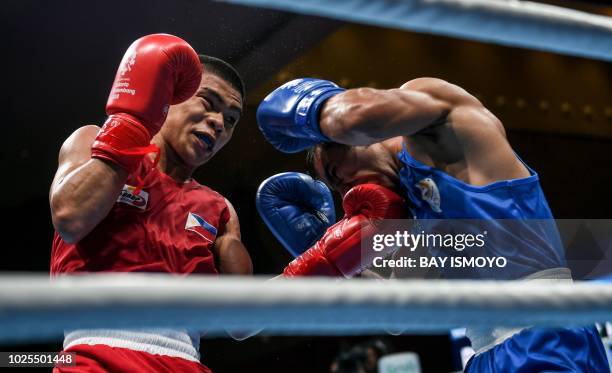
<point>168,227</point>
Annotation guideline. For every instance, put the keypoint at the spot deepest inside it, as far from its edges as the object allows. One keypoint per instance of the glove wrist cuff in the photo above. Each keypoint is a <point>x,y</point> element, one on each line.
<point>123,141</point>
<point>307,112</point>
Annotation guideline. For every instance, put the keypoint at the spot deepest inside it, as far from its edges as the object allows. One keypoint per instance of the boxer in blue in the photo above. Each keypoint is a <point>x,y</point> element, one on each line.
<point>448,155</point>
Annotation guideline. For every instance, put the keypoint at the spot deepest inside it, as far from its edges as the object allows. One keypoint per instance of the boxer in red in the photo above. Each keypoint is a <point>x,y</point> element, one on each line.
<point>123,199</point>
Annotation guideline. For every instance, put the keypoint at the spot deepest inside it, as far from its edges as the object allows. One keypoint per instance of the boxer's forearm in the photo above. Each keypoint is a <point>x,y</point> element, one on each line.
<point>364,116</point>
<point>232,257</point>
<point>84,196</point>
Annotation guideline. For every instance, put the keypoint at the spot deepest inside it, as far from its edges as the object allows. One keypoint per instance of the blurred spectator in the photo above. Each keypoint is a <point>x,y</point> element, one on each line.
<point>360,358</point>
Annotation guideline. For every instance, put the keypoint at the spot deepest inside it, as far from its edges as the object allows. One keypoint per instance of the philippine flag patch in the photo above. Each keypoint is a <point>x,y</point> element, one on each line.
<point>197,224</point>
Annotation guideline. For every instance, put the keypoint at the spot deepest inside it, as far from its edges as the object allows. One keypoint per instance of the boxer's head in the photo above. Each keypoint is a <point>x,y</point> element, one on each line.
<point>198,128</point>
<point>343,166</point>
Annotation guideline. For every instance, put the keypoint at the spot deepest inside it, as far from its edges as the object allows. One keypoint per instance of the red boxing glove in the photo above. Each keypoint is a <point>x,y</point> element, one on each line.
<point>338,252</point>
<point>156,71</point>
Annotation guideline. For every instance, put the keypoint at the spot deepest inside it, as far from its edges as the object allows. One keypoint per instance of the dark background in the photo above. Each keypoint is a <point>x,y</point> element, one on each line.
<point>59,59</point>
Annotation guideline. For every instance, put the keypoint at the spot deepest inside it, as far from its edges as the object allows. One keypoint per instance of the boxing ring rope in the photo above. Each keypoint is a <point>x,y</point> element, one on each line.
<point>33,308</point>
<point>507,22</point>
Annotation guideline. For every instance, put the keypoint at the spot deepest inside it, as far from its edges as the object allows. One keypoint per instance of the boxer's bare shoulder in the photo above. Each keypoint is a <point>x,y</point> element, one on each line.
<point>231,256</point>
<point>469,137</point>
<point>442,90</point>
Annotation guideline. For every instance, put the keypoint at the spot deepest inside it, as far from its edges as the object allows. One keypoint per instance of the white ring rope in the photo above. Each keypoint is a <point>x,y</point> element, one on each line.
<point>33,309</point>
<point>507,22</point>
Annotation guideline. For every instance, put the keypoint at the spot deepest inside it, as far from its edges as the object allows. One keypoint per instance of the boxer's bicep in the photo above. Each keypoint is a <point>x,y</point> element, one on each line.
<point>465,113</point>
<point>231,256</point>
<point>364,116</point>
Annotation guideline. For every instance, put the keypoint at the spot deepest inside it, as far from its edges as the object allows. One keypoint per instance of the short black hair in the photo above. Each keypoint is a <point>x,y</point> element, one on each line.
<point>311,155</point>
<point>225,71</point>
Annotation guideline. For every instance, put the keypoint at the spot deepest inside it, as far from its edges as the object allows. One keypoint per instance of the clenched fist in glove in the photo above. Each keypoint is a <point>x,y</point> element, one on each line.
<point>296,208</point>
<point>156,71</point>
<point>338,252</point>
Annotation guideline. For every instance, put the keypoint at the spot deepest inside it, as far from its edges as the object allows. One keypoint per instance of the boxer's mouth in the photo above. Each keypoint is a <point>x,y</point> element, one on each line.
<point>206,139</point>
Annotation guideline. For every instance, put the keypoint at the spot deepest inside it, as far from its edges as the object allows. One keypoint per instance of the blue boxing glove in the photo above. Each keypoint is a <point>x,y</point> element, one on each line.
<point>289,116</point>
<point>296,208</point>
